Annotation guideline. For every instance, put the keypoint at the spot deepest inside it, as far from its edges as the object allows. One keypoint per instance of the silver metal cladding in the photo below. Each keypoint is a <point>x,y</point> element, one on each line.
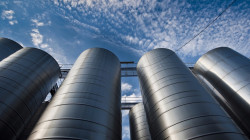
<point>8,47</point>
<point>177,106</point>
<point>229,73</point>
<point>26,77</point>
<point>29,127</point>
<point>87,104</point>
<point>139,129</point>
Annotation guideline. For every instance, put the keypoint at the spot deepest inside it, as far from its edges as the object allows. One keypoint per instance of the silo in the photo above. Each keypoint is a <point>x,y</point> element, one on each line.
<point>8,47</point>
<point>229,73</point>
<point>87,104</point>
<point>177,106</point>
<point>26,77</point>
<point>139,129</point>
<point>31,124</point>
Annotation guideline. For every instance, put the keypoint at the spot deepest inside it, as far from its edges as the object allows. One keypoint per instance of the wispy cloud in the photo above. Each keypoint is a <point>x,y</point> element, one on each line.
<point>9,15</point>
<point>46,44</point>
<point>126,87</point>
<point>149,24</point>
<point>37,23</point>
<point>12,22</point>
<point>37,38</point>
<point>86,26</point>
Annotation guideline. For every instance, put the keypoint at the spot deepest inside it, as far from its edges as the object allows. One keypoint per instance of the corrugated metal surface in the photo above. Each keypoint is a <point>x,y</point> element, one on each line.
<point>87,105</point>
<point>139,129</point>
<point>8,47</point>
<point>229,73</point>
<point>26,77</point>
<point>177,106</point>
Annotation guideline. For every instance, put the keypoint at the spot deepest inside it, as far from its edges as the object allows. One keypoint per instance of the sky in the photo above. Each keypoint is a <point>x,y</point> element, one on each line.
<point>128,28</point>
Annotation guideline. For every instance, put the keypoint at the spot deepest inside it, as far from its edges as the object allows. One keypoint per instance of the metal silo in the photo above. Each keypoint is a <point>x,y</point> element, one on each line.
<point>177,106</point>
<point>31,124</point>
<point>8,47</point>
<point>26,77</point>
<point>139,129</point>
<point>87,105</point>
<point>229,73</point>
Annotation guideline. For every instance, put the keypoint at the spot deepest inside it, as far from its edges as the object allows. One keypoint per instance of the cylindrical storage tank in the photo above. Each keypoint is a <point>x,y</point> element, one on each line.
<point>229,72</point>
<point>26,77</point>
<point>139,129</point>
<point>30,126</point>
<point>218,96</point>
<point>8,47</point>
<point>87,104</point>
<point>177,106</point>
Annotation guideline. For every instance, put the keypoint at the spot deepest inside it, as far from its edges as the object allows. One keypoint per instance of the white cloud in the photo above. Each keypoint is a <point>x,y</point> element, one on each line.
<point>9,15</point>
<point>38,41</point>
<point>126,87</point>
<point>149,24</point>
<point>86,26</point>
<point>69,7</point>
<point>56,2</point>
<point>37,23</point>
<point>37,38</point>
<point>130,39</point>
<point>45,46</point>
<point>73,3</point>
<point>12,22</point>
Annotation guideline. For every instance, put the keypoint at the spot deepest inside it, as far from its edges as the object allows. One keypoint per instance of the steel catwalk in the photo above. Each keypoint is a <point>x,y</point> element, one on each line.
<point>8,47</point>
<point>229,73</point>
<point>26,77</point>
<point>177,106</point>
<point>87,104</point>
<point>139,129</point>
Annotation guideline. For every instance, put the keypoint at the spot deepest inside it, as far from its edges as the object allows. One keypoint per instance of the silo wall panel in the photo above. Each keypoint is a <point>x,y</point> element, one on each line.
<point>229,73</point>
<point>8,47</point>
<point>139,129</point>
<point>176,104</point>
<point>26,77</point>
<point>87,105</point>
<point>31,124</point>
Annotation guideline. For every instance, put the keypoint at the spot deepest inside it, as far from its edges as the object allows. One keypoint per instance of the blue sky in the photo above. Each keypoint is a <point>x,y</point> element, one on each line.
<point>129,28</point>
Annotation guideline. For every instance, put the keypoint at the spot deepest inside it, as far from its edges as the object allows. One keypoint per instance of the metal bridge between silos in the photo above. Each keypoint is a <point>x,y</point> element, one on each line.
<point>128,102</point>
<point>128,69</point>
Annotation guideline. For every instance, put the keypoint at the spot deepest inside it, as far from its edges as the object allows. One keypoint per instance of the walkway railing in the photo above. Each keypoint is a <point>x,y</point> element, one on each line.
<point>129,102</point>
